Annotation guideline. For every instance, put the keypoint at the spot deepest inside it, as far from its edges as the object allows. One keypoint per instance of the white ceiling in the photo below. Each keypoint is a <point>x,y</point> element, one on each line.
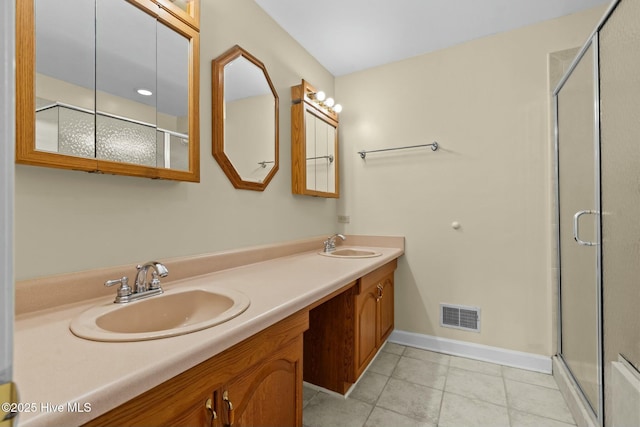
<point>352,35</point>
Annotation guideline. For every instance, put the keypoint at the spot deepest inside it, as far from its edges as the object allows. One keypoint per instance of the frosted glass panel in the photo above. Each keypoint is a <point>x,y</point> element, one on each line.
<point>76,132</point>
<point>66,131</point>
<point>123,141</point>
<point>620,154</point>
<point>578,264</point>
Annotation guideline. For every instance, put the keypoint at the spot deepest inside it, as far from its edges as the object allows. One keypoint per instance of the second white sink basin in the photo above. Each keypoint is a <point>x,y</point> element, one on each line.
<point>351,253</point>
<point>176,312</point>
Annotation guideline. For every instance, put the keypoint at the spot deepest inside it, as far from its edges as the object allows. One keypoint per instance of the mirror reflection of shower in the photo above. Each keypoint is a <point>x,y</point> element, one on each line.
<point>100,96</point>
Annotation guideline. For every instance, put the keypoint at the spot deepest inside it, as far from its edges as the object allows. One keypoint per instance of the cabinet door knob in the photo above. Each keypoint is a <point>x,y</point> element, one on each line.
<point>380,289</point>
<point>209,406</point>
<point>230,414</point>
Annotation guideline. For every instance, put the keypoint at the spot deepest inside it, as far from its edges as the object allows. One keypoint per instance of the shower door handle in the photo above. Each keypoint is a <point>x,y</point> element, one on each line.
<point>576,227</point>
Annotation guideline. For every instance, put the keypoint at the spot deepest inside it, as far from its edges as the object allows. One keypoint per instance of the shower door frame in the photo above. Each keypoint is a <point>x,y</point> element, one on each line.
<point>593,40</point>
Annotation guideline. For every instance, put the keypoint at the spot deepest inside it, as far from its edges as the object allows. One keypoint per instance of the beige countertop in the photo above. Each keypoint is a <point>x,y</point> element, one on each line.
<point>54,369</point>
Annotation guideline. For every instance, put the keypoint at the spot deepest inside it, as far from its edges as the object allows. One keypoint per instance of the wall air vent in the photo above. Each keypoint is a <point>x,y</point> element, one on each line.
<point>460,317</point>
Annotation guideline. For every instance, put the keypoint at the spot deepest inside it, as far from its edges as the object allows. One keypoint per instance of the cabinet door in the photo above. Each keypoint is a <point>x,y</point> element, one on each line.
<point>322,156</point>
<point>181,401</point>
<point>385,309</point>
<point>366,328</point>
<point>269,394</point>
<point>263,375</point>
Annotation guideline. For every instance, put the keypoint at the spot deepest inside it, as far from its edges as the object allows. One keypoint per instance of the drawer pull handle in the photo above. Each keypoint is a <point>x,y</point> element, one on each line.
<point>230,414</point>
<point>209,406</point>
<point>380,289</point>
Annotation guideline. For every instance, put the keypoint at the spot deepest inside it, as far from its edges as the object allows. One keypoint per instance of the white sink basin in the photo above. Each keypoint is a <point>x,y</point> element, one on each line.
<point>351,253</point>
<point>176,312</point>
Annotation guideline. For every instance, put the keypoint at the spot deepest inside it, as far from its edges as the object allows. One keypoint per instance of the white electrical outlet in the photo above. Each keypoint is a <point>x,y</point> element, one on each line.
<point>344,219</point>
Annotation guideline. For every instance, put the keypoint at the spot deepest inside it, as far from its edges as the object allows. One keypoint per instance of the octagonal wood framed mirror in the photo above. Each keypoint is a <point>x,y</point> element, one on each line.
<point>245,119</point>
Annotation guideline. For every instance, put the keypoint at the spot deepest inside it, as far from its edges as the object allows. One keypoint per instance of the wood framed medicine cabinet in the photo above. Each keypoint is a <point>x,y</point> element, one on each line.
<point>80,70</point>
<point>314,145</point>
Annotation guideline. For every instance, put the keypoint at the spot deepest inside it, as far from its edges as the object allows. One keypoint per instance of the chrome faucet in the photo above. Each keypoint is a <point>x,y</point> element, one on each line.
<point>142,288</point>
<point>141,284</point>
<point>330,243</point>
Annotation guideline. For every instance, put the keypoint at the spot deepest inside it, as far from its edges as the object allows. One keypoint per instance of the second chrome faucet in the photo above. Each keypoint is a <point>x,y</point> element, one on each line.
<point>142,288</point>
<point>330,243</point>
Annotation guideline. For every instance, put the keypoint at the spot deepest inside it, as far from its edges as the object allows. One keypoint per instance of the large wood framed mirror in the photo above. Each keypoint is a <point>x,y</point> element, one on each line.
<point>245,120</point>
<point>108,86</point>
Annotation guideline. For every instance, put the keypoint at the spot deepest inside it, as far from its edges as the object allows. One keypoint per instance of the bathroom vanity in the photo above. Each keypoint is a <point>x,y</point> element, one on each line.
<point>346,332</point>
<point>246,371</point>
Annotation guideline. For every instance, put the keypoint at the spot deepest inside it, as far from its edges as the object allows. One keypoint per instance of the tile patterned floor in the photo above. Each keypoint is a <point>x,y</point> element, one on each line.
<point>409,387</point>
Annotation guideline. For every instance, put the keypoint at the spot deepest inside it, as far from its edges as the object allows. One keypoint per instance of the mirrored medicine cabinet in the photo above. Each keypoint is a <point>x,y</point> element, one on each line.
<point>109,86</point>
<point>245,119</point>
<point>314,145</point>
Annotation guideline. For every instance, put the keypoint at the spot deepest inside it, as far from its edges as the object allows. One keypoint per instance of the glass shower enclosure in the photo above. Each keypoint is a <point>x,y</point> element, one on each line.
<point>579,240</point>
<point>597,138</point>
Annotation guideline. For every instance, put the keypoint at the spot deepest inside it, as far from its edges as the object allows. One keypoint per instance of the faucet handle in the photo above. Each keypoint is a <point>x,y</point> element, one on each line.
<point>155,281</point>
<point>124,289</point>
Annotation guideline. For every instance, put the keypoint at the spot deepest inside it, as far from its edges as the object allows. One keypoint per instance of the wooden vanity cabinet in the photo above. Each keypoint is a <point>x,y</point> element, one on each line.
<point>255,382</point>
<point>374,314</point>
<point>346,332</point>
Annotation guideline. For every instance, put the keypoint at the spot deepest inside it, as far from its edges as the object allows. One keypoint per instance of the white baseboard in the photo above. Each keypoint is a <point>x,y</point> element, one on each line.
<point>485,353</point>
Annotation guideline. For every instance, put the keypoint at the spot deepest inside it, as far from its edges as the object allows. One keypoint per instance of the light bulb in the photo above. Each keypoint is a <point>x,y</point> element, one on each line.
<point>329,102</point>
<point>337,108</point>
<point>144,92</point>
<point>320,96</point>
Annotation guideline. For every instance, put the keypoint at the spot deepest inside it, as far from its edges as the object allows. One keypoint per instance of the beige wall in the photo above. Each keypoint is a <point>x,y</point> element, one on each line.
<point>70,221</point>
<point>486,103</point>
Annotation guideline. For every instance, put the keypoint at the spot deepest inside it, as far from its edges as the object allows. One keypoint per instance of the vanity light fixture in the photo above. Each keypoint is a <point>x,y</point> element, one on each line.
<point>321,99</point>
<point>144,92</point>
